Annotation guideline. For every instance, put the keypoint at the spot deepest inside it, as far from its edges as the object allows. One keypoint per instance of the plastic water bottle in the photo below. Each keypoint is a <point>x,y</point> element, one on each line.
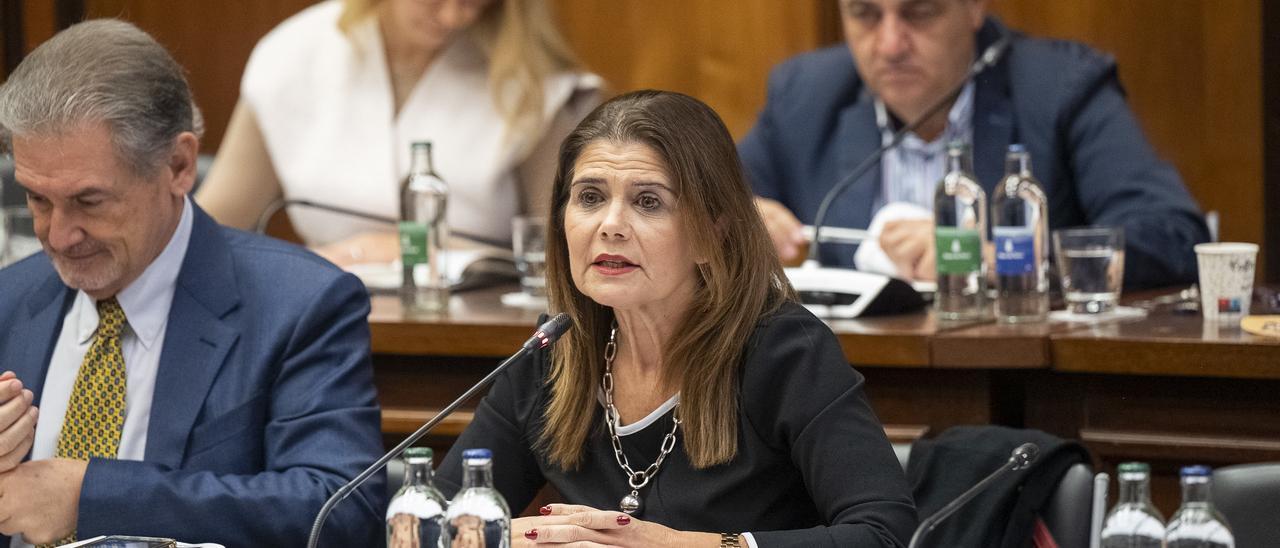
<point>424,197</point>
<point>1197,524</point>
<point>1134,522</point>
<point>416,515</point>
<point>478,516</point>
<point>960,229</point>
<point>1020,230</point>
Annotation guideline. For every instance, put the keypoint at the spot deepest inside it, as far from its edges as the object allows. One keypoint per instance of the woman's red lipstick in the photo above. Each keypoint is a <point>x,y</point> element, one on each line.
<point>613,265</point>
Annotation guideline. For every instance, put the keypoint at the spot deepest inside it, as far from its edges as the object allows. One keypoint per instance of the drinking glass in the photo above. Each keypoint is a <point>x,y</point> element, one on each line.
<point>1091,265</point>
<point>529,242</point>
<point>17,235</point>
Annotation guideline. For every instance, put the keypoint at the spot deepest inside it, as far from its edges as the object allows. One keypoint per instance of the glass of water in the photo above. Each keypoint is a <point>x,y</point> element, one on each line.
<point>17,235</point>
<point>1091,264</point>
<point>529,242</point>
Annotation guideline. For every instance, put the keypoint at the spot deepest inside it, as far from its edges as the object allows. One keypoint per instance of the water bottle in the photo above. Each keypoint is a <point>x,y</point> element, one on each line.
<point>1197,524</point>
<point>424,197</point>
<point>960,228</point>
<point>416,515</point>
<point>1020,230</point>
<point>478,516</point>
<point>1134,522</point>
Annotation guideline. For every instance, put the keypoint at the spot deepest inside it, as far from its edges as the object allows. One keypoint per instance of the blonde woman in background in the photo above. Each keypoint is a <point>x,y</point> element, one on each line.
<point>332,98</point>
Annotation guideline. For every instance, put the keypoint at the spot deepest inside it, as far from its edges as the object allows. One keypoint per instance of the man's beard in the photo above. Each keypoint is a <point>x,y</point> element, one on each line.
<point>95,274</point>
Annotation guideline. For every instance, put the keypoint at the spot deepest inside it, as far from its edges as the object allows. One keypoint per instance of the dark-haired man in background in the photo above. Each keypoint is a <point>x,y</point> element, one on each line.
<point>828,110</point>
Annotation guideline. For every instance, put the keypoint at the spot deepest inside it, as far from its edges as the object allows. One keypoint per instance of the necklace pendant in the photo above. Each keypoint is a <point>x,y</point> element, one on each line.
<point>630,503</point>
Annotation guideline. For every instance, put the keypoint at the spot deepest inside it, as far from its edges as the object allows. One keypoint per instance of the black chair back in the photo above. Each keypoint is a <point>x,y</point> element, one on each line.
<point>1057,488</point>
<point>1248,495</point>
<point>1070,509</point>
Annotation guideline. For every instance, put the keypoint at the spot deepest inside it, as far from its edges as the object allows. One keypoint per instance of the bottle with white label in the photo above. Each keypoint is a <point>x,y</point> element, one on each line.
<point>424,197</point>
<point>960,227</point>
<point>1020,231</point>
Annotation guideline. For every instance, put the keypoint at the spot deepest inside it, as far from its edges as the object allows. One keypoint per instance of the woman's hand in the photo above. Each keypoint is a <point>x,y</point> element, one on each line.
<point>784,229</point>
<point>577,526</point>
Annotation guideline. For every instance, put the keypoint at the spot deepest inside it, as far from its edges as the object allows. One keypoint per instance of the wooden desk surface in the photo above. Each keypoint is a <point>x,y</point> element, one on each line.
<point>1163,389</point>
<point>478,325</point>
<point>1166,344</point>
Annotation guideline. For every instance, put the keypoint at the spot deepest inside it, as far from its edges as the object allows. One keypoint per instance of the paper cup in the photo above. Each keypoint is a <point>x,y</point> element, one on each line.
<point>1226,280</point>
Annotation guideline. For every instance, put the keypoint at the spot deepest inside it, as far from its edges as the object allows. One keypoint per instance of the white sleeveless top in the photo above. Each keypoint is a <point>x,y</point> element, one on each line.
<point>324,103</point>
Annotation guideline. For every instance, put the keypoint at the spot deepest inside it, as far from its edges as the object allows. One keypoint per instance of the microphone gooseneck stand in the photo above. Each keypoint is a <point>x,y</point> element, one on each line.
<point>1022,457</point>
<point>546,334</point>
<point>989,57</point>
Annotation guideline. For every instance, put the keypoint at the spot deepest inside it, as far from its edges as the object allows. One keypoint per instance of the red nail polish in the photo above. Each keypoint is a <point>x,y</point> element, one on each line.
<point>545,510</point>
<point>531,534</point>
<point>623,520</point>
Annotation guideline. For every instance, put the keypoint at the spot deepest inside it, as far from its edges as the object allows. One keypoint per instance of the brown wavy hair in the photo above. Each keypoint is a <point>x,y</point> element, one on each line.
<point>741,281</point>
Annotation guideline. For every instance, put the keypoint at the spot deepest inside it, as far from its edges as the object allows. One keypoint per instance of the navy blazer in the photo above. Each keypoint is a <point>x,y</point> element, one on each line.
<point>264,401</point>
<point>1061,99</point>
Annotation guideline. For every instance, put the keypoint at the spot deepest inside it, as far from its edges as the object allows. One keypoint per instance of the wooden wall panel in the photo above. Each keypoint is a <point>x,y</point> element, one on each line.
<point>1193,73</point>
<point>718,51</point>
<point>1193,69</point>
<point>212,39</point>
<point>1271,136</point>
<point>40,21</point>
<point>10,27</point>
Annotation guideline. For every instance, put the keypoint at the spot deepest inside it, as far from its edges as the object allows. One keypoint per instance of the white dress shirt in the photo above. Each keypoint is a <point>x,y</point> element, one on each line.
<point>146,307</point>
<point>911,171</point>
<point>323,101</point>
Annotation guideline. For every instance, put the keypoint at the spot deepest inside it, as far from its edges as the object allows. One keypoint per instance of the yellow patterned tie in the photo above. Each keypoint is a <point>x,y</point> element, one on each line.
<point>95,412</point>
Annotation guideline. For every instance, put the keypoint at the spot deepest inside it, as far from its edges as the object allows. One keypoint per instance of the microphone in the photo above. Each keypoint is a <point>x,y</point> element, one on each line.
<point>847,293</point>
<point>988,58</point>
<point>1021,458</point>
<point>544,336</point>
<point>260,227</point>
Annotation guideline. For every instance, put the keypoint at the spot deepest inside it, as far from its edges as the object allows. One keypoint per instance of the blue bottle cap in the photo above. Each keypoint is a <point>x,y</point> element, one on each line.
<point>1017,147</point>
<point>1196,470</point>
<point>477,454</point>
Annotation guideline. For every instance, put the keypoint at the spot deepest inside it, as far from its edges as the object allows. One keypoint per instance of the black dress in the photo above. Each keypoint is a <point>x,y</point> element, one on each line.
<point>813,466</point>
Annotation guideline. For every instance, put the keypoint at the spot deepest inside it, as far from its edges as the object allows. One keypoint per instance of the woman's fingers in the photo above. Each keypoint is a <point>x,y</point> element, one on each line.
<point>565,534</point>
<point>567,524</point>
<point>583,516</point>
<point>526,543</point>
<point>565,509</point>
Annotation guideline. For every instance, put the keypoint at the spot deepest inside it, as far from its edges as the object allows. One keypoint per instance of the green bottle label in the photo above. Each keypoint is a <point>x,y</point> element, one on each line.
<point>413,243</point>
<point>959,250</point>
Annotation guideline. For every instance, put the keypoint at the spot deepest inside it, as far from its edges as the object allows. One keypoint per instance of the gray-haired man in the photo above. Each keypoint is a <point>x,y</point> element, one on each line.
<point>191,381</point>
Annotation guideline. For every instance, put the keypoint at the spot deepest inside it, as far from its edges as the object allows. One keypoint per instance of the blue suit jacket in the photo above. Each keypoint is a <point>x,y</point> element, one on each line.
<point>1061,99</point>
<point>264,401</point>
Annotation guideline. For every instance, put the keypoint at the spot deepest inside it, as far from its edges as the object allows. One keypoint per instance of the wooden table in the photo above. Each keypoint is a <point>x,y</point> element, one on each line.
<point>1162,389</point>
<point>1169,390</point>
<point>420,361</point>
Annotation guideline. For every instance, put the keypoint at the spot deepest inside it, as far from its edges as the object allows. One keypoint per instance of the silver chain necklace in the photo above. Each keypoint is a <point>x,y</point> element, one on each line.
<point>637,480</point>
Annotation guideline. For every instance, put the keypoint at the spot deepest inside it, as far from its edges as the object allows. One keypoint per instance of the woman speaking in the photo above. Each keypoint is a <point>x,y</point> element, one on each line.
<point>694,403</point>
